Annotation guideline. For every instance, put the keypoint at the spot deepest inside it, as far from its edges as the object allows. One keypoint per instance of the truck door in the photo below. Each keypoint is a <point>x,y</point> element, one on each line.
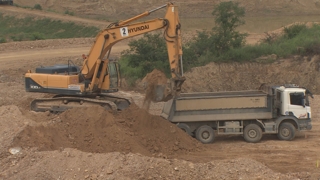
<point>297,105</point>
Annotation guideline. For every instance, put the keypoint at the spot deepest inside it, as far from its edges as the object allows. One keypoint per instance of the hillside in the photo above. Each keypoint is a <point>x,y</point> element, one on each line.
<point>117,9</point>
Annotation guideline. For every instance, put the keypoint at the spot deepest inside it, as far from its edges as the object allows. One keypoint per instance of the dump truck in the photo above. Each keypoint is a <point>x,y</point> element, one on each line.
<point>280,110</point>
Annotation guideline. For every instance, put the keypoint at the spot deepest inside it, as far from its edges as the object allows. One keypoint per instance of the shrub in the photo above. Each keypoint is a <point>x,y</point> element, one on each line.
<point>148,53</point>
<point>37,36</point>
<point>294,30</point>
<point>3,40</point>
<point>69,13</point>
<point>37,6</point>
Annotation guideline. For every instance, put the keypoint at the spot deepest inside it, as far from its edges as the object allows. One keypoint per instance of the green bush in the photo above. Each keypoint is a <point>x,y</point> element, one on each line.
<point>19,37</point>
<point>37,6</point>
<point>130,73</point>
<point>69,13</point>
<point>37,36</point>
<point>148,53</point>
<point>294,30</point>
<point>2,40</point>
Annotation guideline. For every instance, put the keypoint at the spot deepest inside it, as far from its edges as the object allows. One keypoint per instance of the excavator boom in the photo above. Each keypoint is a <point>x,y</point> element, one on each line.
<point>123,30</point>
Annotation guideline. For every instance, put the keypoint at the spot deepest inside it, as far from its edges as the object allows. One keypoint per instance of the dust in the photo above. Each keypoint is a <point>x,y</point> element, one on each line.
<point>151,80</point>
<point>95,130</point>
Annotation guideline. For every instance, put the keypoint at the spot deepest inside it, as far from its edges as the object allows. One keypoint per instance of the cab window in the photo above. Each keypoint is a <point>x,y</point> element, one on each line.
<point>296,99</point>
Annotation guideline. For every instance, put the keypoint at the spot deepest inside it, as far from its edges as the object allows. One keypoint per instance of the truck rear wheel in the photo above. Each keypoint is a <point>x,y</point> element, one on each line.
<point>205,134</point>
<point>252,133</point>
<point>185,128</point>
<point>286,131</point>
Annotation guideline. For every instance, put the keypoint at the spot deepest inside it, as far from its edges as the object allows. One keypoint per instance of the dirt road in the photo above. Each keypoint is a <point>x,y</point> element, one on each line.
<point>44,54</point>
<point>21,12</point>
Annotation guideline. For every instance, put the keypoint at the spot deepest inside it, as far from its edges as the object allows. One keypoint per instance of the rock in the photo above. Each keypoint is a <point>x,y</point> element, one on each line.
<point>15,150</point>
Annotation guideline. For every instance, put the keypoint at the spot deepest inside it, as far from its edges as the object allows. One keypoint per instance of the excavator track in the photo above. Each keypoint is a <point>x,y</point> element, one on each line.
<point>63,103</point>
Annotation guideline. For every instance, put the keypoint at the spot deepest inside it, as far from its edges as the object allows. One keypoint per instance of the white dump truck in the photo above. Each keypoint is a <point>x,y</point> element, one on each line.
<point>280,110</point>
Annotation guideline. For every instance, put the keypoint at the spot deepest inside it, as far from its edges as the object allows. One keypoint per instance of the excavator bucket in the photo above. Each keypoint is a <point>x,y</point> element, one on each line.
<point>158,88</point>
<point>164,92</point>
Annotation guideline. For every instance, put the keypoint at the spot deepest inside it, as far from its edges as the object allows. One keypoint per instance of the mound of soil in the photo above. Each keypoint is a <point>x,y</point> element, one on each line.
<point>97,130</point>
<point>249,76</point>
<point>11,121</point>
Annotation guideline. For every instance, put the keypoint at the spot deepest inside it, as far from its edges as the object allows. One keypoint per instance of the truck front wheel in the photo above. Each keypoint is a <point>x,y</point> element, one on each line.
<point>286,131</point>
<point>252,133</point>
<point>205,134</point>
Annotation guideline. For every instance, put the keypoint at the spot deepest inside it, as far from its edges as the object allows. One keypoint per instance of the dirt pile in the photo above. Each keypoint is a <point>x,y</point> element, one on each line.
<point>74,164</point>
<point>11,122</point>
<point>98,131</point>
<point>249,76</point>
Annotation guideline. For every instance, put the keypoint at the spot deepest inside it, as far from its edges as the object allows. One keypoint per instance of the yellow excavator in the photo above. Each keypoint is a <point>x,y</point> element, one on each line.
<point>94,82</point>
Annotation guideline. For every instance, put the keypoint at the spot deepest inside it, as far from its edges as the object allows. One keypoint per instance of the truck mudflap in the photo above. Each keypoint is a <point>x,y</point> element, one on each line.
<point>305,124</point>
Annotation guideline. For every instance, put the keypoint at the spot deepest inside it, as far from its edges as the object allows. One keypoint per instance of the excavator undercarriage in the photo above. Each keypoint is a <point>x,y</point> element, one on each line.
<point>60,103</point>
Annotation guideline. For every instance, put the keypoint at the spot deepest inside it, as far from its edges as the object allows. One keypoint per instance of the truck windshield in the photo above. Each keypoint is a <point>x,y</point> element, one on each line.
<point>297,99</point>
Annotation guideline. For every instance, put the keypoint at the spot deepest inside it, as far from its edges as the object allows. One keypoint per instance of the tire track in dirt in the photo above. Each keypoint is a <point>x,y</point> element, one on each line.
<point>50,53</point>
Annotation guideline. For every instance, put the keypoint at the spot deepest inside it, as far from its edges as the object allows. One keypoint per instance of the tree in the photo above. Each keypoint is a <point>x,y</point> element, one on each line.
<point>228,17</point>
<point>148,53</point>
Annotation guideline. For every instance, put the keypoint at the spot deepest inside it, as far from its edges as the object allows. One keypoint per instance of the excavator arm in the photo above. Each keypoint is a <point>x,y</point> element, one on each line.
<point>95,65</point>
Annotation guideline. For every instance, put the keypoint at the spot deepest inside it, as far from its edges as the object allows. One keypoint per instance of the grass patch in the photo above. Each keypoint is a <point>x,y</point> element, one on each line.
<point>29,28</point>
<point>296,41</point>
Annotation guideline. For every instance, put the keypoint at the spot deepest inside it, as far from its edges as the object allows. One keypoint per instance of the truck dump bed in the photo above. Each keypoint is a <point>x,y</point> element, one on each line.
<point>214,106</point>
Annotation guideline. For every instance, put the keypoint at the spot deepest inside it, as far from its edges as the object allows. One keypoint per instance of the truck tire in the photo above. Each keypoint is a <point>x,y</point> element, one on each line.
<point>205,134</point>
<point>252,133</point>
<point>286,131</point>
<point>185,128</point>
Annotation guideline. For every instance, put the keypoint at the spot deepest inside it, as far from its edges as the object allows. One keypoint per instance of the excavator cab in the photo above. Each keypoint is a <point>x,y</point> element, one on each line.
<point>111,81</point>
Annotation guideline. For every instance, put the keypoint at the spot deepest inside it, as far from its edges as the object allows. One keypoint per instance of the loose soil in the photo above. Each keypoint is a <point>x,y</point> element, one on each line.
<point>248,76</point>
<point>133,130</point>
<point>150,83</point>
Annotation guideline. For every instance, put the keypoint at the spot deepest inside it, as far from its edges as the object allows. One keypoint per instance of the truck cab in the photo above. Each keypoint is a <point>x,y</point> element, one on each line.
<point>294,101</point>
